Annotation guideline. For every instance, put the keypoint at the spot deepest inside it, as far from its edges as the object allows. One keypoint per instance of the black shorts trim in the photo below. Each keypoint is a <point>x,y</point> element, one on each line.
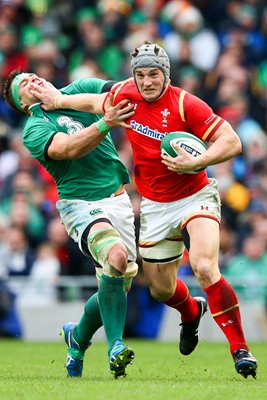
<point>86,233</point>
<point>162,260</point>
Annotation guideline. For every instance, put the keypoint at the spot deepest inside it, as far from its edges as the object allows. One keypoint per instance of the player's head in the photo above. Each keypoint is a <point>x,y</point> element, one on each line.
<point>16,91</point>
<point>150,56</point>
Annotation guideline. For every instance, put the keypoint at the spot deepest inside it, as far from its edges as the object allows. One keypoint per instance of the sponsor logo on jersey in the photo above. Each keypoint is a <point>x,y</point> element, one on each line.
<point>96,211</point>
<point>146,131</point>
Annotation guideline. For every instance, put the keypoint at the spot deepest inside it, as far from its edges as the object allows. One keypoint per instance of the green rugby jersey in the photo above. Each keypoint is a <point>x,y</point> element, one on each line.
<point>96,175</point>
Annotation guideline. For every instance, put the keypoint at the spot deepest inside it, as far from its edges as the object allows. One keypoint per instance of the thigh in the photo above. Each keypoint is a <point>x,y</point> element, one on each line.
<point>204,244</point>
<point>77,215</point>
<point>120,212</point>
<point>160,239</point>
<point>161,277</point>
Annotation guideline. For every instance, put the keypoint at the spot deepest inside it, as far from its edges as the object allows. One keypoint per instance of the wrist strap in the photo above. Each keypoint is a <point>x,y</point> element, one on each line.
<point>102,126</point>
<point>58,101</point>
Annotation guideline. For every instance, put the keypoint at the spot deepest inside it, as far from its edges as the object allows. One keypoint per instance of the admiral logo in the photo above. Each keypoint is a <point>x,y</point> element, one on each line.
<point>96,211</point>
<point>190,150</point>
<point>146,131</point>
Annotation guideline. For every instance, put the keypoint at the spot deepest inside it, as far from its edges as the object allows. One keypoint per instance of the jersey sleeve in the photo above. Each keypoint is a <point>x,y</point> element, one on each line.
<point>85,85</point>
<point>200,118</point>
<point>36,137</point>
<point>113,91</point>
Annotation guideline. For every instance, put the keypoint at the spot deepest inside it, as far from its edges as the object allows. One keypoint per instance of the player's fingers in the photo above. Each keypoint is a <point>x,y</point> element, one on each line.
<point>36,94</point>
<point>123,103</point>
<point>179,149</point>
<point>35,88</point>
<point>49,85</point>
<point>125,110</point>
<point>125,116</point>
<point>124,125</point>
<point>109,101</point>
<point>44,107</point>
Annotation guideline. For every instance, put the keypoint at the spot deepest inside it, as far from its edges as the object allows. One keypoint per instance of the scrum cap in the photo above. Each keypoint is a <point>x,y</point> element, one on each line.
<point>150,55</point>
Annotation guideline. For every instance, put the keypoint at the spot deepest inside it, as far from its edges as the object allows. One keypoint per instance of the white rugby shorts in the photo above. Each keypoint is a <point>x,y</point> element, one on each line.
<point>76,215</point>
<point>161,224</point>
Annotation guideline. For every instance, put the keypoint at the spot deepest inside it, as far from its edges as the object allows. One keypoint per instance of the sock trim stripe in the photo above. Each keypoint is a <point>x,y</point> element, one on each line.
<point>226,310</point>
<point>181,302</point>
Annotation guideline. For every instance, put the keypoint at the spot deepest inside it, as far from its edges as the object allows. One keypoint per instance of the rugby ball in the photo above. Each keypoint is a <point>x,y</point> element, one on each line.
<point>190,143</point>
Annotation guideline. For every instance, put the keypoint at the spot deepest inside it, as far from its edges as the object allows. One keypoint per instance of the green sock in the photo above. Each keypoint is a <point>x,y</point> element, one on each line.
<point>113,304</point>
<point>89,323</point>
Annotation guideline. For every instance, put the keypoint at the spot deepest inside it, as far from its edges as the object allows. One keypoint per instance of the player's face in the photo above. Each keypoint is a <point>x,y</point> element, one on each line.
<point>26,97</point>
<point>149,82</point>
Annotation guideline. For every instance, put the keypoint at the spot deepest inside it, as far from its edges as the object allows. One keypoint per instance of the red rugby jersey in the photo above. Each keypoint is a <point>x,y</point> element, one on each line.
<point>176,110</point>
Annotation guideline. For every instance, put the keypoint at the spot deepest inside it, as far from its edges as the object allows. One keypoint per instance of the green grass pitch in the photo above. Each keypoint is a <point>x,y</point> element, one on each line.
<point>34,371</point>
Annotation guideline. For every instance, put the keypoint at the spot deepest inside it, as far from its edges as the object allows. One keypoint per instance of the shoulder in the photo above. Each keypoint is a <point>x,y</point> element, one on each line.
<point>125,89</point>
<point>85,85</point>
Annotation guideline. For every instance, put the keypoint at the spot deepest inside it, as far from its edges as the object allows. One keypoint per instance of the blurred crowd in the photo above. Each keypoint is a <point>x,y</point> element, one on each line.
<point>217,50</point>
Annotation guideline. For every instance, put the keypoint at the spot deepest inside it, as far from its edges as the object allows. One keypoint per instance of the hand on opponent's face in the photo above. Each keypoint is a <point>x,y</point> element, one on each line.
<point>47,94</point>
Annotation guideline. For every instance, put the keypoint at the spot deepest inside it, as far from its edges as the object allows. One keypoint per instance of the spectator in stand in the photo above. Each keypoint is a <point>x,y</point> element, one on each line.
<point>249,265</point>
<point>13,56</point>
<point>91,43</point>
<point>140,25</point>
<point>20,209</point>
<point>227,244</point>
<point>16,254</point>
<point>41,286</point>
<point>247,128</point>
<point>251,218</point>
<point>72,261</point>
<point>234,194</point>
<point>10,325</point>
<point>242,29</point>
<point>190,39</point>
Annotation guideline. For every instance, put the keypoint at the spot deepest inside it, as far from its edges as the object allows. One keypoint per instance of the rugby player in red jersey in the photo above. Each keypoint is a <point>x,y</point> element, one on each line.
<point>178,209</point>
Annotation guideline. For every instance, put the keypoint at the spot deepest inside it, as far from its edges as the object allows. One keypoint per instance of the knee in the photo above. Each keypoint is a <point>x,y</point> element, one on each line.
<point>107,248</point>
<point>206,271</point>
<point>117,258</point>
<point>159,292</point>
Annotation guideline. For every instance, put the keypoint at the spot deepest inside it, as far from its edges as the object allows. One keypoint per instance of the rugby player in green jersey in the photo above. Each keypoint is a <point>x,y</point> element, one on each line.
<point>77,150</point>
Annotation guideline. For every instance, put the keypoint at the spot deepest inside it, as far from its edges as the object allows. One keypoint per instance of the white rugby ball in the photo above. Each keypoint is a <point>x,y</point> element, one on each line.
<point>190,143</point>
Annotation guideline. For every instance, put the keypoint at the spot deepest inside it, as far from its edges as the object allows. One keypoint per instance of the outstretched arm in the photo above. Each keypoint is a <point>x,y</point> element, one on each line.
<point>82,142</point>
<point>53,99</point>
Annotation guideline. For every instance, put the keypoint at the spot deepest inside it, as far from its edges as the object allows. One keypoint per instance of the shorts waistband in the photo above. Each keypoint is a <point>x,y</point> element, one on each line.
<point>118,192</point>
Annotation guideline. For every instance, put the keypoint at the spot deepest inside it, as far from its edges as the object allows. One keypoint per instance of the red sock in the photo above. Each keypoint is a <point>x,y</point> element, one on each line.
<point>183,302</point>
<point>224,308</point>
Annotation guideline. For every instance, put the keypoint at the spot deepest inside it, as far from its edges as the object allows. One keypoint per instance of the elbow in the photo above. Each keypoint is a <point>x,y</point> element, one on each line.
<point>237,146</point>
<point>73,154</point>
